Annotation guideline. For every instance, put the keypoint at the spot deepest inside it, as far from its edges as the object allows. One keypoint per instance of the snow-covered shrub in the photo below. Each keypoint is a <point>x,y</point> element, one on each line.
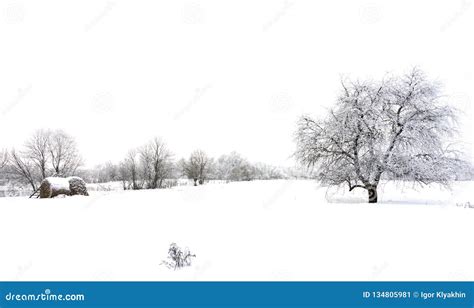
<point>177,257</point>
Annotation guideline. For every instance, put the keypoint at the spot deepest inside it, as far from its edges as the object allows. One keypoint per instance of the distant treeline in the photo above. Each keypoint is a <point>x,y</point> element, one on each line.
<point>55,153</point>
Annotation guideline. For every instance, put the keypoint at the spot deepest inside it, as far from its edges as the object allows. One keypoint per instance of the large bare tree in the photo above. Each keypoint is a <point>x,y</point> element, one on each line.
<point>37,149</point>
<point>64,155</point>
<point>156,162</point>
<point>397,128</point>
<point>44,154</point>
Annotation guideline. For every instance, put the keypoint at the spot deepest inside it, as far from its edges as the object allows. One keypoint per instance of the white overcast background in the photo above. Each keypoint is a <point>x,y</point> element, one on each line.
<point>215,75</point>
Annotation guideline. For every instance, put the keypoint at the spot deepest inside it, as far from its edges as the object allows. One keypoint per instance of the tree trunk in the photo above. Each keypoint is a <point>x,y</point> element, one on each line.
<point>195,182</point>
<point>372,190</point>
<point>33,185</point>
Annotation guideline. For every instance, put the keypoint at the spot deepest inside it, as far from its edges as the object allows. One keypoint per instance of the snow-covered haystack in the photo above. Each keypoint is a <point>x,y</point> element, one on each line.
<point>77,186</point>
<point>53,186</point>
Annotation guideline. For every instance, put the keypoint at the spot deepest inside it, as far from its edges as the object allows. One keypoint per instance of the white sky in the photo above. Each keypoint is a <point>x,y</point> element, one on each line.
<point>216,75</point>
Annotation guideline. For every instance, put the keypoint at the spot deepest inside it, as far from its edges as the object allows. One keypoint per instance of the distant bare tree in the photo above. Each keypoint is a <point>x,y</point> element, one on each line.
<point>233,167</point>
<point>37,149</point>
<point>65,158</point>
<point>397,128</point>
<point>123,175</point>
<point>267,172</point>
<point>3,158</point>
<point>197,167</point>
<point>156,163</point>
<point>146,165</point>
<point>130,169</point>
<point>107,172</point>
<point>23,169</point>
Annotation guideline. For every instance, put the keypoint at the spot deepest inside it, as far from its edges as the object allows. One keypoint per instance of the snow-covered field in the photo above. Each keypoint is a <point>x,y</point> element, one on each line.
<point>262,230</point>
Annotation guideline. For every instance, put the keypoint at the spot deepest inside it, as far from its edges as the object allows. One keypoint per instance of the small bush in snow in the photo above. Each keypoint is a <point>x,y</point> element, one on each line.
<point>177,257</point>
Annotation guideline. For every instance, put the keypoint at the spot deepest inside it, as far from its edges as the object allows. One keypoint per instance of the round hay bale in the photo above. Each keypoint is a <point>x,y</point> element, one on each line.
<point>77,186</point>
<point>54,186</point>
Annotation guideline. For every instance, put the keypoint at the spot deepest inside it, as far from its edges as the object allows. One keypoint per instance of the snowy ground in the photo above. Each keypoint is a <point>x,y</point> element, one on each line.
<point>263,230</point>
